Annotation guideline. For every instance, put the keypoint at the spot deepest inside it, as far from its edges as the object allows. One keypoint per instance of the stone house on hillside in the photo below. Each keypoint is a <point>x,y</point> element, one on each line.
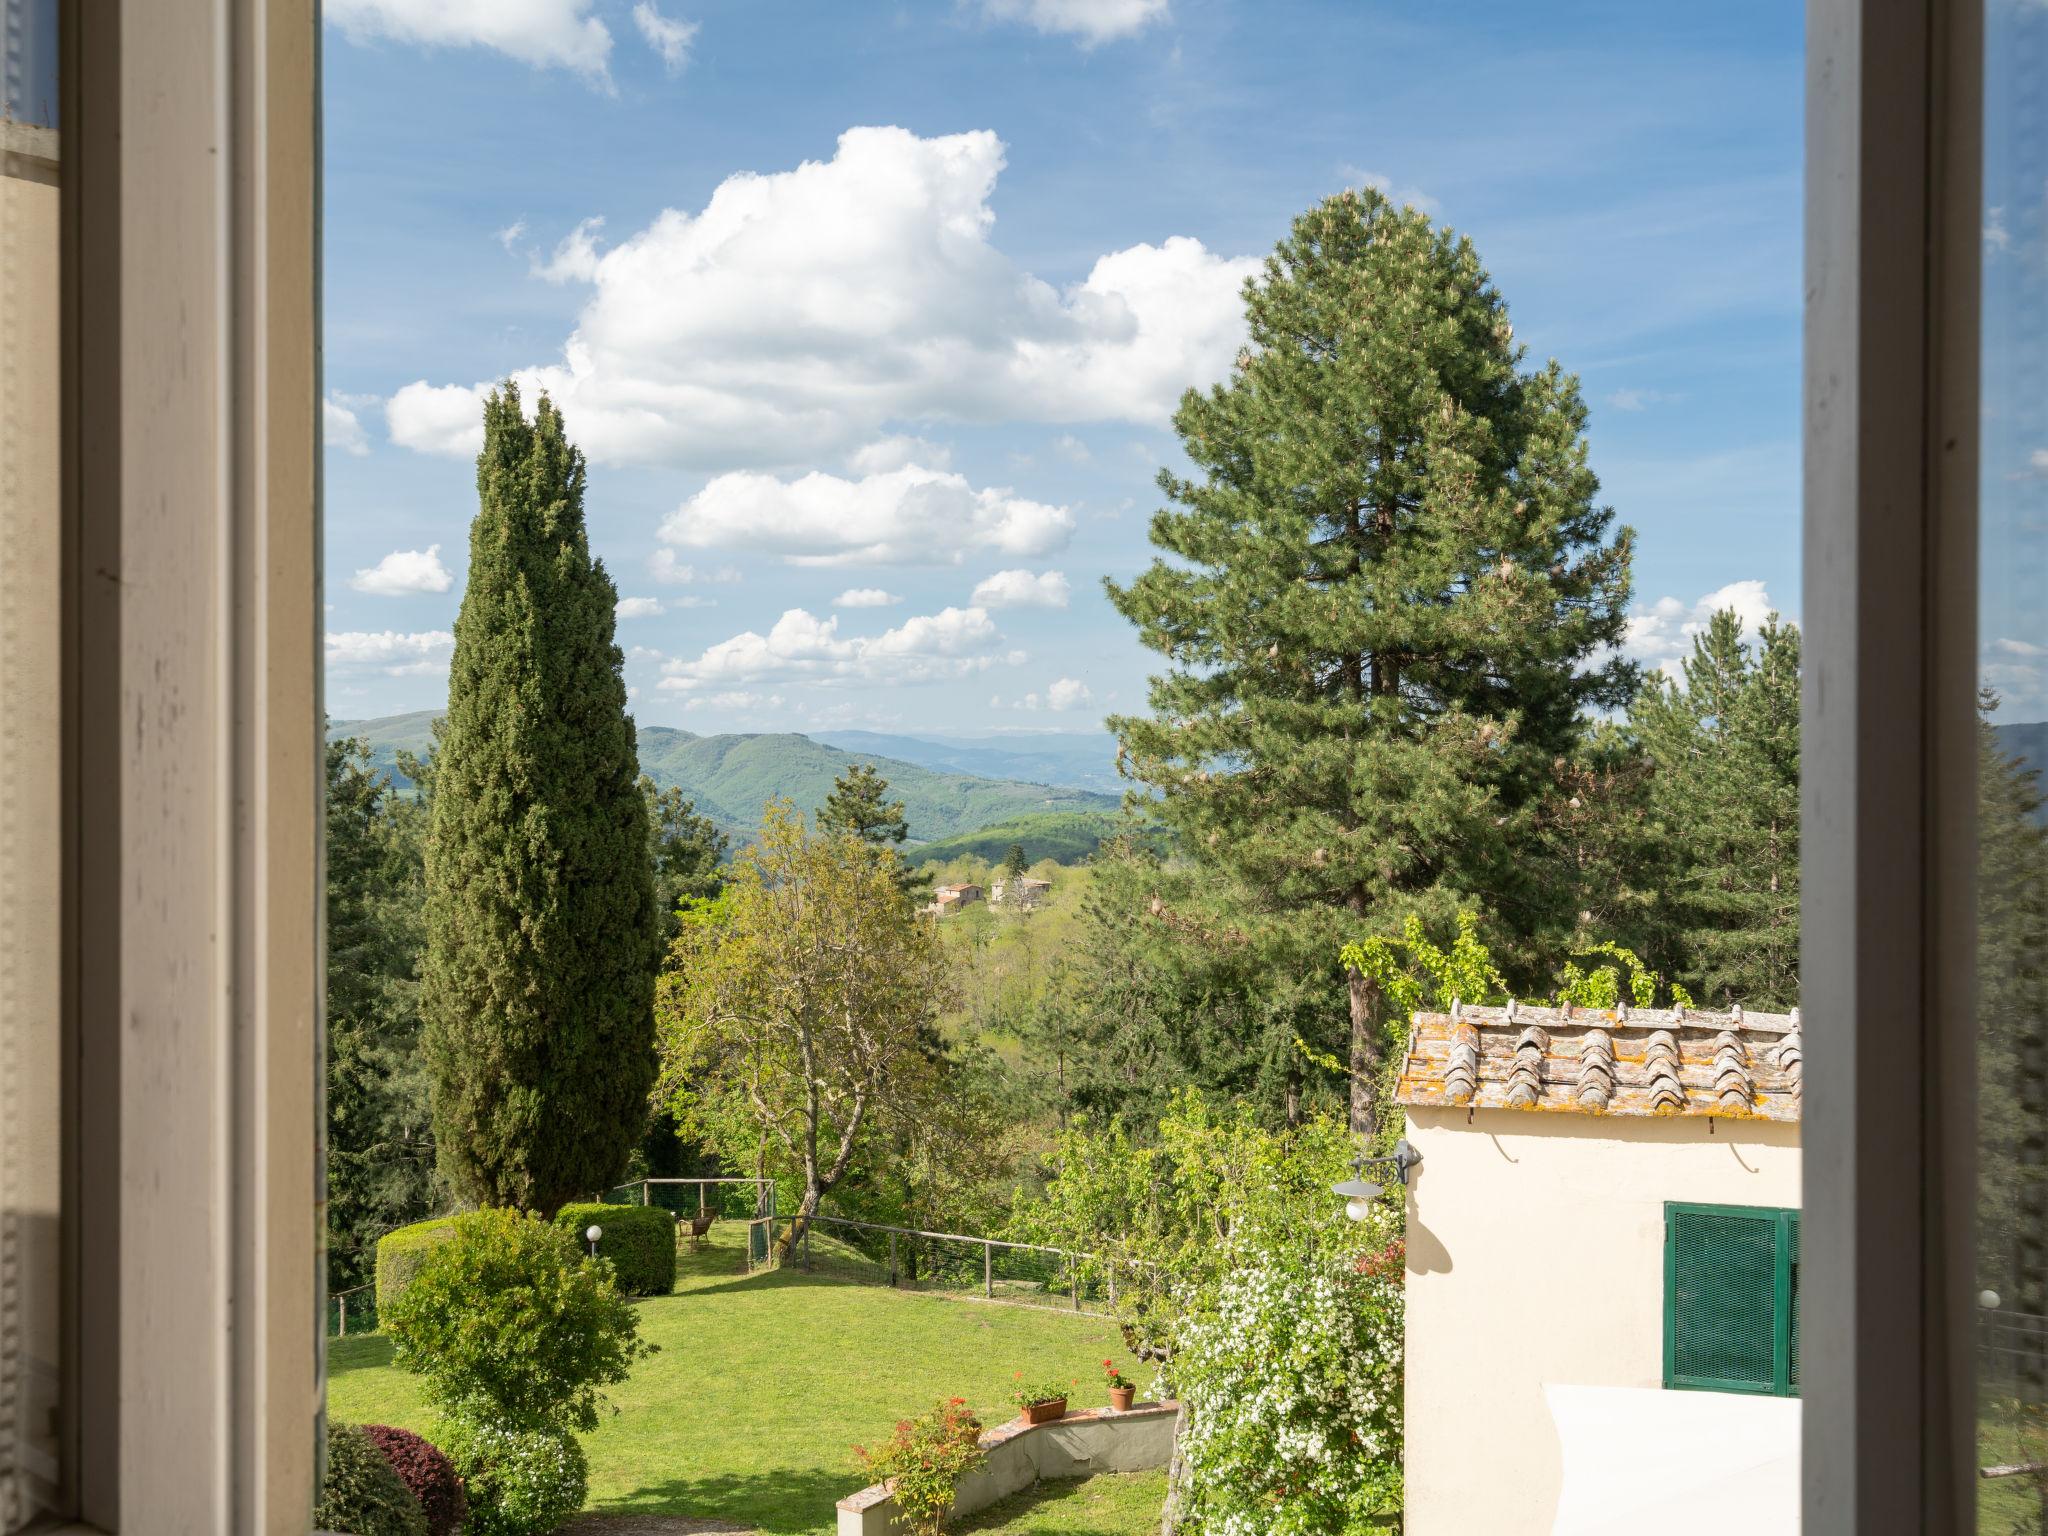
<point>1603,1270</point>
<point>951,898</point>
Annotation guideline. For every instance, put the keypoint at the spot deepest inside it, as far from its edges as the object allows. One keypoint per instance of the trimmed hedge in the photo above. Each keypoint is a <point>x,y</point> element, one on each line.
<point>640,1240</point>
<point>399,1254</point>
<point>429,1474</point>
<point>361,1493</point>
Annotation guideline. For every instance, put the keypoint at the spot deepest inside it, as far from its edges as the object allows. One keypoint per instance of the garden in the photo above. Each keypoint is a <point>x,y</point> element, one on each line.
<point>761,1385</point>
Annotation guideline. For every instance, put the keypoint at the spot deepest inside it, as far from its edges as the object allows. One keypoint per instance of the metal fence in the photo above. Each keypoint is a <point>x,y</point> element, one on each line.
<point>352,1311</point>
<point>2012,1351</point>
<point>953,1263</point>
<point>729,1199</point>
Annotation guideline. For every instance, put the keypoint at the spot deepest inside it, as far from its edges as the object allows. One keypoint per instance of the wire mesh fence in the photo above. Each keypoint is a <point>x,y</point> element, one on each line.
<point>951,1263</point>
<point>352,1311</point>
<point>2012,1351</point>
<point>725,1199</point>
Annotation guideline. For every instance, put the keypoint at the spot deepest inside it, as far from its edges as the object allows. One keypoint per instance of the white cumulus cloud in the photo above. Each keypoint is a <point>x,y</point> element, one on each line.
<point>671,39</point>
<point>389,651</point>
<point>866,597</point>
<point>1066,693</point>
<point>403,571</point>
<point>735,336</point>
<point>1660,636</point>
<point>951,643</point>
<point>1021,589</point>
<point>341,428</point>
<point>1092,21</point>
<point>548,33</point>
<point>907,516</point>
<point>637,607</point>
<point>885,454</point>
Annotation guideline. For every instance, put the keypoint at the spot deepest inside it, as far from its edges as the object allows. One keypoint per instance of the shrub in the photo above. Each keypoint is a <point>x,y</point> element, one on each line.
<point>361,1494</point>
<point>508,1325</point>
<point>925,1460</point>
<point>1292,1389</point>
<point>399,1254</point>
<point>521,1482</point>
<point>429,1474</point>
<point>640,1240</point>
<point>1049,1390</point>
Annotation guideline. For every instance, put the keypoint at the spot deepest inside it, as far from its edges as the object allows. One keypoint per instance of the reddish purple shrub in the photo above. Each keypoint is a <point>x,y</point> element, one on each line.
<point>428,1473</point>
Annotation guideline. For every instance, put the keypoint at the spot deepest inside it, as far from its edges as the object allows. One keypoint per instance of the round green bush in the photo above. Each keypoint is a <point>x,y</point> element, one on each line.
<point>400,1253</point>
<point>506,1323</point>
<point>361,1494</point>
<point>520,1482</point>
<point>640,1240</point>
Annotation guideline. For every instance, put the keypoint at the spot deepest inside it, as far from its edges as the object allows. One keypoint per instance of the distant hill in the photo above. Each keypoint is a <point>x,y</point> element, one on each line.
<point>1070,759</point>
<point>1065,837</point>
<point>732,777</point>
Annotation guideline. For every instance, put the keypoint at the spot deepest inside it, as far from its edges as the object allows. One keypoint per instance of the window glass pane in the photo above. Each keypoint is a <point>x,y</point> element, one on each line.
<point>2013,847</point>
<point>30,874</point>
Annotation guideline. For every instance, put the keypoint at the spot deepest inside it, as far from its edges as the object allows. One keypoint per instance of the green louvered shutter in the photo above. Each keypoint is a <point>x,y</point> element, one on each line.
<point>1731,1299</point>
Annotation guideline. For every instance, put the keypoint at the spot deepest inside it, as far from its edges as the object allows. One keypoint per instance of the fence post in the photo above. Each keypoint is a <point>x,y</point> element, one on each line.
<point>1074,1279</point>
<point>807,1245</point>
<point>646,1192</point>
<point>988,1269</point>
<point>343,1302</point>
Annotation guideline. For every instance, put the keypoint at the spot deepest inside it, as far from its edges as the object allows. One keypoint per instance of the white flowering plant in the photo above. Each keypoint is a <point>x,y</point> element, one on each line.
<point>1292,1388</point>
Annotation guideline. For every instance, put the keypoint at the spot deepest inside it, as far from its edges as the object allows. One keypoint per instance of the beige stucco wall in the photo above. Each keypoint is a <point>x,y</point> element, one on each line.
<point>1536,1259</point>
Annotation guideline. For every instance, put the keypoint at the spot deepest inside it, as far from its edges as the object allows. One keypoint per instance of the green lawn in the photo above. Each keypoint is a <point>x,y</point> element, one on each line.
<point>1110,1505</point>
<point>2008,1434</point>
<point>765,1383</point>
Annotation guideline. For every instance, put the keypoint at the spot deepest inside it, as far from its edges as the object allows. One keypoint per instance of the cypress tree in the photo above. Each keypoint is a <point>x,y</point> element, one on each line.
<point>538,983</point>
<point>1389,600</point>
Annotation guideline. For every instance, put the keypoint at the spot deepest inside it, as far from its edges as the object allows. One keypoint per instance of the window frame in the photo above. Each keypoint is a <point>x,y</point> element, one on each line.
<point>1784,1222</point>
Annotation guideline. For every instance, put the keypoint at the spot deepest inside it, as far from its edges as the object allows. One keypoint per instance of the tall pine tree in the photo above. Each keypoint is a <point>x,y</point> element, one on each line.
<point>859,807</point>
<point>1723,748</point>
<point>1386,599</point>
<point>538,985</point>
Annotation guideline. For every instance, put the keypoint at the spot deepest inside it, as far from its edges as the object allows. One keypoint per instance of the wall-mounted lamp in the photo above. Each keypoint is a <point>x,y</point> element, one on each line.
<point>1360,1192</point>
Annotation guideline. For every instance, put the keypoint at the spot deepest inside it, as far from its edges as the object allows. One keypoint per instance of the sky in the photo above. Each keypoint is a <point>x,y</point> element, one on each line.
<point>871,318</point>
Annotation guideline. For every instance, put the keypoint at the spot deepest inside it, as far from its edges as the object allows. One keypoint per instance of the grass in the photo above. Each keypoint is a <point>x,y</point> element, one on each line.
<point>1113,1504</point>
<point>2010,1433</point>
<point>765,1383</point>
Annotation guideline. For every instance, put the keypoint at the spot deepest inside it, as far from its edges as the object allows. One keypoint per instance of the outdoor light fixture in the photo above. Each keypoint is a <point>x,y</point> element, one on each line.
<point>594,1232</point>
<point>1360,1192</point>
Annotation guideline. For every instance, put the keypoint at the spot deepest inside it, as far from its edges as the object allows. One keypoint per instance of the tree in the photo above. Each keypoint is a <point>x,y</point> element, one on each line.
<point>1386,603</point>
<point>380,1144</point>
<point>1723,794</point>
<point>1014,862</point>
<point>802,1002</point>
<point>542,931</point>
<point>688,851</point>
<point>857,807</point>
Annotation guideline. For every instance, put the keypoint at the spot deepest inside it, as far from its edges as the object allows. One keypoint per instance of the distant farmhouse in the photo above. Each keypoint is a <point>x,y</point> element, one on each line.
<point>1603,1271</point>
<point>1021,892</point>
<point>948,899</point>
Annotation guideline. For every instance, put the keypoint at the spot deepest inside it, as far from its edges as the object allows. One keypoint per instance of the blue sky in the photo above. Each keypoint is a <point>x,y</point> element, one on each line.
<point>874,346</point>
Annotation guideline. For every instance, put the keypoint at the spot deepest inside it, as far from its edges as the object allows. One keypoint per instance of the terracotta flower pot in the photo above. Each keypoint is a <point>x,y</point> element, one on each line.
<point>1045,1412</point>
<point>1120,1398</point>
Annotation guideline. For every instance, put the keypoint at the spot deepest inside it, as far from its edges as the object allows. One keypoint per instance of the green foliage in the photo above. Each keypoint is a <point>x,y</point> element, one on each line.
<point>1049,1389</point>
<point>400,1254</point>
<point>639,1240</point>
<point>1014,861</point>
<point>1176,1213</point>
<point>380,1145</point>
<point>1723,798</point>
<point>542,933</point>
<point>506,1323</point>
<point>687,850</point>
<point>520,1482</point>
<point>361,1494</point>
<point>1600,986</point>
<point>1411,970</point>
<point>858,808</point>
<point>1386,603</point>
<point>1293,1394</point>
<point>924,1460</point>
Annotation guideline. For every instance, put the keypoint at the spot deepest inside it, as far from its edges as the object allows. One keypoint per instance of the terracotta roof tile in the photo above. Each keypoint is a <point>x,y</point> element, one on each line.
<point>1675,1061</point>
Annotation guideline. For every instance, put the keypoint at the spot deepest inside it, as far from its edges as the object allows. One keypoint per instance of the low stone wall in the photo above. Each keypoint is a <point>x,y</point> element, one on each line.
<point>1019,1454</point>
